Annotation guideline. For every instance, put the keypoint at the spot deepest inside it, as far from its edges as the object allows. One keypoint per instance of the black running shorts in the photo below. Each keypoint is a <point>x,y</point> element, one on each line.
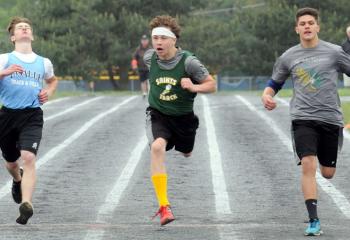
<point>316,138</point>
<point>179,131</point>
<point>20,129</point>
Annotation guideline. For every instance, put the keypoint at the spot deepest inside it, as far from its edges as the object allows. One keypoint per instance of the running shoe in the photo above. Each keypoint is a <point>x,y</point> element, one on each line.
<point>16,189</point>
<point>25,212</point>
<point>314,228</point>
<point>166,215</point>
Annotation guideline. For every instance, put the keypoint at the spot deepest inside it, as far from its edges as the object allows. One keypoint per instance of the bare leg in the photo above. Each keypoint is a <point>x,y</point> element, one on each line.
<point>158,156</point>
<point>13,169</point>
<point>327,172</point>
<point>308,181</point>
<point>29,175</point>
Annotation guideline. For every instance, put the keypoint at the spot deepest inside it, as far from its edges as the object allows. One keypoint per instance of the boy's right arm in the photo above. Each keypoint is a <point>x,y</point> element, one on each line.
<point>279,76</point>
<point>267,98</point>
<point>11,69</point>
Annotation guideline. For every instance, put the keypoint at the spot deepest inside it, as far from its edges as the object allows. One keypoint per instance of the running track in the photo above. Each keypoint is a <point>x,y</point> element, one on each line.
<point>240,183</point>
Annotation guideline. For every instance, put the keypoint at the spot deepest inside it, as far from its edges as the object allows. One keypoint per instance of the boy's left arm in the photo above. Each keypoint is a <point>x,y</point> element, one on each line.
<point>45,93</point>
<point>208,85</point>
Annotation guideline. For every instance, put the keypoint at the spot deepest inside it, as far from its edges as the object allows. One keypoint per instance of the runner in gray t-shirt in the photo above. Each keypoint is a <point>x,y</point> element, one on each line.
<point>314,72</point>
<point>317,121</point>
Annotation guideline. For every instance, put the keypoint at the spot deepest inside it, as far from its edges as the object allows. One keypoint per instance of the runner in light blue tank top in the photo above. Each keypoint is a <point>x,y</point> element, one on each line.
<point>21,90</point>
<point>22,73</point>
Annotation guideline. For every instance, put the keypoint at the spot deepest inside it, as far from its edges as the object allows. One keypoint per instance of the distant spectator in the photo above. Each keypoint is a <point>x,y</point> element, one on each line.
<point>138,65</point>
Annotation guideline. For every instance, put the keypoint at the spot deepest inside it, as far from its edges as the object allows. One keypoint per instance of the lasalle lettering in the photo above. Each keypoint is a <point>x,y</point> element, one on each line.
<point>27,74</point>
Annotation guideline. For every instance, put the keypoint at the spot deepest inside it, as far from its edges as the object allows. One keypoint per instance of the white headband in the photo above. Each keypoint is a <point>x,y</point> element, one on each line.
<point>163,31</point>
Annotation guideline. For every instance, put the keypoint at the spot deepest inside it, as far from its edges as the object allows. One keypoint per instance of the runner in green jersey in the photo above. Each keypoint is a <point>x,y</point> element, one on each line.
<point>176,76</point>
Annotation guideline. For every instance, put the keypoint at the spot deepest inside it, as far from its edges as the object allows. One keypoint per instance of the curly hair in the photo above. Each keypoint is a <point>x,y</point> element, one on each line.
<point>166,21</point>
<point>16,20</point>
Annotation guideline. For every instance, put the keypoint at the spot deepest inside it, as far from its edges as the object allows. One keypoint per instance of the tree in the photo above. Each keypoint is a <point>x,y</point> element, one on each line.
<point>132,18</point>
<point>246,36</point>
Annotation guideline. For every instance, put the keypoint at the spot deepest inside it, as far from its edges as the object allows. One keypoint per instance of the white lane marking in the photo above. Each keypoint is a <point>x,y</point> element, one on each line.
<point>339,199</point>
<point>286,103</point>
<point>105,212</point>
<point>222,202</point>
<point>56,101</point>
<point>53,152</point>
<point>71,109</point>
<point>346,134</point>
<point>281,100</point>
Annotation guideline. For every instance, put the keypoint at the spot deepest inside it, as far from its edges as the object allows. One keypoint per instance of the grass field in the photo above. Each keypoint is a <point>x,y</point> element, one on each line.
<point>346,112</point>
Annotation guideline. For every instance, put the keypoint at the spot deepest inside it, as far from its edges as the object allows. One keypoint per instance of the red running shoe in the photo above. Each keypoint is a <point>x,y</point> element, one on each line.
<point>166,215</point>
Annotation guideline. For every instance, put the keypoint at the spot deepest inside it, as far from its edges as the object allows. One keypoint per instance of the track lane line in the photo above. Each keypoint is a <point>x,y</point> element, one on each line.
<point>71,109</point>
<point>105,212</point>
<point>222,202</point>
<point>54,151</point>
<point>339,199</point>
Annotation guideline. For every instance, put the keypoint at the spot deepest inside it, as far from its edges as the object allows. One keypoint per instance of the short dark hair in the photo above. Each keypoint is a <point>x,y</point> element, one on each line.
<point>307,11</point>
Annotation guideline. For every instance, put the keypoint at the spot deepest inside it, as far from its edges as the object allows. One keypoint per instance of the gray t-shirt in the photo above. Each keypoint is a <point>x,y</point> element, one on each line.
<point>314,72</point>
<point>193,67</point>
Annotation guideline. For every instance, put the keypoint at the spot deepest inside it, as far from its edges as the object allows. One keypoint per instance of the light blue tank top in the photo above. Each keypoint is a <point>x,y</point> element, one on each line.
<point>20,90</point>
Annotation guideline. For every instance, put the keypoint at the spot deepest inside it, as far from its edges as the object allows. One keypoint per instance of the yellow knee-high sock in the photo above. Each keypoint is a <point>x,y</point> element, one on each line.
<point>160,186</point>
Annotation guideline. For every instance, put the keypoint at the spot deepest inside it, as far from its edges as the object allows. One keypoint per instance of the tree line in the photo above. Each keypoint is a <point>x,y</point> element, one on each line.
<point>85,37</point>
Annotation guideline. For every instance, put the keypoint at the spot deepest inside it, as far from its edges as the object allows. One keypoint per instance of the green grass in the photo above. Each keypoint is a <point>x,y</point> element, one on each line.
<point>285,93</point>
<point>344,91</point>
<point>346,112</point>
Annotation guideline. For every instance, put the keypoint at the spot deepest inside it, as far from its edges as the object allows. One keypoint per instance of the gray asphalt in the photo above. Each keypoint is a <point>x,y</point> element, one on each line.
<point>262,179</point>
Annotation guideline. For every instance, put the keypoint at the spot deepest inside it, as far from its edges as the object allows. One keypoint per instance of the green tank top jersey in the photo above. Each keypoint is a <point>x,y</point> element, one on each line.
<point>166,94</point>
